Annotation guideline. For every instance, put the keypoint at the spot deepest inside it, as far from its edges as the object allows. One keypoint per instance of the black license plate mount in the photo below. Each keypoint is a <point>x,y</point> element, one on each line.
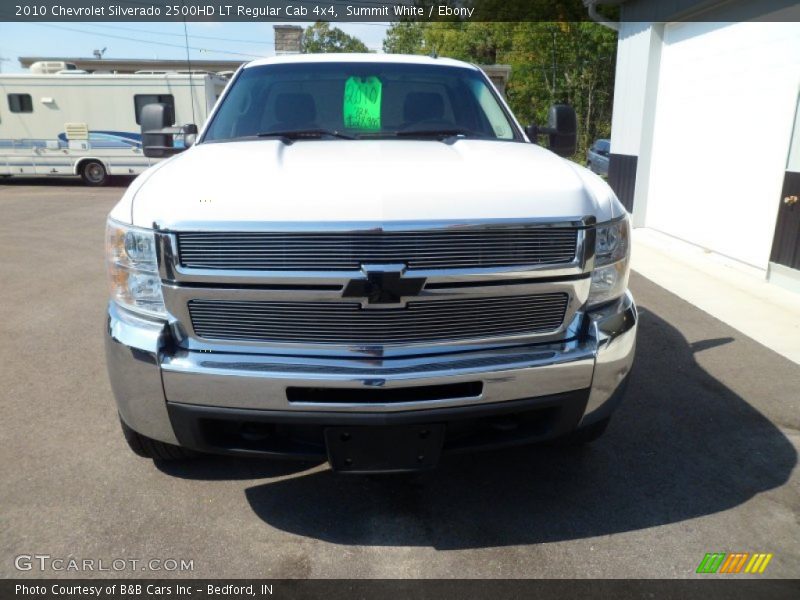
<point>384,449</point>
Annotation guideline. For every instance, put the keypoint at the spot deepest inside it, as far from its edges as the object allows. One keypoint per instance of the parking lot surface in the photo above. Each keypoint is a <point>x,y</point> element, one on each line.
<point>701,457</point>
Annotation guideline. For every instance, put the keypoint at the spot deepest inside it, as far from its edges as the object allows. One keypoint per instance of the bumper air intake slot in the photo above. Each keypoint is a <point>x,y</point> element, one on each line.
<point>319,395</point>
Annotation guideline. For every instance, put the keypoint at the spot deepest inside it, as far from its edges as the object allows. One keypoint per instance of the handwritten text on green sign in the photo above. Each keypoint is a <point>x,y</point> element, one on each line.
<point>362,103</point>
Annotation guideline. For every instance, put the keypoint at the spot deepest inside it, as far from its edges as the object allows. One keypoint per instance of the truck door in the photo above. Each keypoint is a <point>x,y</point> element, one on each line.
<point>51,159</point>
<point>19,146</point>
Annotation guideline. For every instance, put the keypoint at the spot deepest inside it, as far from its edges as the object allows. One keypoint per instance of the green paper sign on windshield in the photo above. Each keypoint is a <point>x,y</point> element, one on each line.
<point>362,103</point>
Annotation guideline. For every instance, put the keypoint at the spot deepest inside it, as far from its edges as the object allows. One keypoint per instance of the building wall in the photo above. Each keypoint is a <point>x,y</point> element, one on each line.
<point>637,74</point>
<point>631,73</point>
<point>288,39</point>
<point>710,10</point>
<point>793,164</point>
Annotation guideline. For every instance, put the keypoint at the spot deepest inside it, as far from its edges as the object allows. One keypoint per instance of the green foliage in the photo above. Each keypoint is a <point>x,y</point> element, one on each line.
<point>566,61</point>
<point>320,37</point>
<point>405,37</point>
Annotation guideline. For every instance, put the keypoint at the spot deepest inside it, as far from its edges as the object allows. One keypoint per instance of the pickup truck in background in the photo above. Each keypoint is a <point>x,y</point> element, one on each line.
<point>365,259</point>
<point>597,157</point>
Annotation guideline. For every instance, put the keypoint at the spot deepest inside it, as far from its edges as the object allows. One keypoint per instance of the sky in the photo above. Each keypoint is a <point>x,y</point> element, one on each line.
<point>231,41</point>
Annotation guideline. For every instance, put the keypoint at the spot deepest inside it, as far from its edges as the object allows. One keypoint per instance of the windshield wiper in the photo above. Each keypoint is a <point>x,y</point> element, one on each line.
<point>441,133</point>
<point>298,134</point>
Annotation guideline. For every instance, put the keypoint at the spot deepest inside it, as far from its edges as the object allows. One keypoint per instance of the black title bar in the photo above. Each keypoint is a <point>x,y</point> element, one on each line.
<point>405,589</point>
<point>391,10</point>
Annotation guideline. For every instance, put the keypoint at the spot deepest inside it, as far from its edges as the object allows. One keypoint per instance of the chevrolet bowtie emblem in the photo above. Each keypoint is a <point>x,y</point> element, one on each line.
<point>383,285</point>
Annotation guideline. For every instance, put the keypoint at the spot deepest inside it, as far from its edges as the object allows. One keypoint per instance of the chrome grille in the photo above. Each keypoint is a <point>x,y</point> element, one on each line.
<point>349,324</point>
<point>453,248</point>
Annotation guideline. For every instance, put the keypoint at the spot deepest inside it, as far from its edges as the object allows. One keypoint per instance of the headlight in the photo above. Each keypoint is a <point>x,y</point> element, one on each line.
<point>611,263</point>
<point>133,268</point>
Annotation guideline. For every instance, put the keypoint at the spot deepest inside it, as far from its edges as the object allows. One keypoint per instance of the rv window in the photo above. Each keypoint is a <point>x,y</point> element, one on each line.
<point>20,103</point>
<point>142,100</point>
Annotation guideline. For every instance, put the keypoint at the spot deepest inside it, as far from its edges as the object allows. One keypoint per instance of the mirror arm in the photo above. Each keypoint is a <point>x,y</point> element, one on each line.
<point>534,131</point>
<point>162,151</point>
<point>166,130</point>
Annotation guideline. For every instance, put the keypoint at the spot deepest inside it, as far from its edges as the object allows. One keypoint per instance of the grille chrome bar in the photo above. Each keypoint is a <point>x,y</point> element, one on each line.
<point>464,263</point>
<point>342,251</point>
<point>346,323</point>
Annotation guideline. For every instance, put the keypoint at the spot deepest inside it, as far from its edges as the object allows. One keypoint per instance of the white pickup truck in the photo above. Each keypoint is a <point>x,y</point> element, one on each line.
<point>365,259</point>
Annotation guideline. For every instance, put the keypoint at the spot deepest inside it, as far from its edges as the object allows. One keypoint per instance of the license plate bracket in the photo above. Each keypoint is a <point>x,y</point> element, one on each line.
<point>384,449</point>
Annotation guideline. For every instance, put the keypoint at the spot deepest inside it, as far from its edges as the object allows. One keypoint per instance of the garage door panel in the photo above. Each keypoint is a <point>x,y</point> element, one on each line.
<point>725,108</point>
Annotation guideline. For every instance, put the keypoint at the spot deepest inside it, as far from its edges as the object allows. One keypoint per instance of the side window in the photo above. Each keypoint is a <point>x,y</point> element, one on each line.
<point>494,113</point>
<point>142,100</point>
<point>20,103</point>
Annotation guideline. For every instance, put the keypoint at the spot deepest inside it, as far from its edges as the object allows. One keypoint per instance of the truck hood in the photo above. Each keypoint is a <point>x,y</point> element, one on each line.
<point>363,181</point>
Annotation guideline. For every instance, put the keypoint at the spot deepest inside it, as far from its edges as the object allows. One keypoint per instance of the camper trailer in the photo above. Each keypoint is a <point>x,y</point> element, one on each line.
<point>88,125</point>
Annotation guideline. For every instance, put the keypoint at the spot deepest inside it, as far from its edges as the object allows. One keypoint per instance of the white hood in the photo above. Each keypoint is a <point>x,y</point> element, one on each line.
<point>374,181</point>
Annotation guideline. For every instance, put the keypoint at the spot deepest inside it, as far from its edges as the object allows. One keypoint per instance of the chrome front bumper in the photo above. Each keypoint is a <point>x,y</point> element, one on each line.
<point>148,372</point>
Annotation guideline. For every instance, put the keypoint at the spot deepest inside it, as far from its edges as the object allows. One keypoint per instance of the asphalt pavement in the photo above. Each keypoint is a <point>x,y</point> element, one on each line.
<point>701,457</point>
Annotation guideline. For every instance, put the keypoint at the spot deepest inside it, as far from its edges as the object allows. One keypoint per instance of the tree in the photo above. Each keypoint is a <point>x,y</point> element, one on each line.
<point>564,61</point>
<point>320,37</point>
<point>405,37</point>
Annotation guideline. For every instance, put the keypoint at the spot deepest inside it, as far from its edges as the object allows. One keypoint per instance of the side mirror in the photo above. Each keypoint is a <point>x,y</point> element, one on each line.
<point>562,125</point>
<point>158,134</point>
<point>562,130</point>
<point>189,135</point>
<point>156,117</point>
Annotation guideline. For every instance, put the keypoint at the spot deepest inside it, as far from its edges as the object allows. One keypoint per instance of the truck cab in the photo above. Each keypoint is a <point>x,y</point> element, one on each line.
<point>366,259</point>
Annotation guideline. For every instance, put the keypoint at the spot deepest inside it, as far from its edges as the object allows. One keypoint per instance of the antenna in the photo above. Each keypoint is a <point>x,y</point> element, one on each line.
<point>189,66</point>
<point>98,54</point>
<point>2,60</point>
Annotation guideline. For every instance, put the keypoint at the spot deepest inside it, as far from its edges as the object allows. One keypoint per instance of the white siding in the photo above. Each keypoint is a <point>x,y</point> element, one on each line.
<point>629,93</point>
<point>724,119</point>
<point>793,164</point>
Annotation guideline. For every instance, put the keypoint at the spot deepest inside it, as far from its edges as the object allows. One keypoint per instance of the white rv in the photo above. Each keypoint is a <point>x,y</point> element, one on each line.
<point>76,123</point>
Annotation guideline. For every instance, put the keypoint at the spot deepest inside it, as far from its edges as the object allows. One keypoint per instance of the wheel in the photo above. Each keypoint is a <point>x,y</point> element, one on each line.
<point>586,435</point>
<point>149,448</point>
<point>94,173</point>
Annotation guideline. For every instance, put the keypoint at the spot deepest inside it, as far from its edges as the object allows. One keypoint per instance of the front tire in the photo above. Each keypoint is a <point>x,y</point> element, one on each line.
<point>94,173</point>
<point>146,447</point>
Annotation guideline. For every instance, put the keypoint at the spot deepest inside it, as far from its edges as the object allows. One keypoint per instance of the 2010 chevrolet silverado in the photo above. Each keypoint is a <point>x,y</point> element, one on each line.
<point>365,259</point>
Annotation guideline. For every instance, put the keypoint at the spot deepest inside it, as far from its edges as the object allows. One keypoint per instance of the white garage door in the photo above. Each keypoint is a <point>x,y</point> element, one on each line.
<point>726,103</point>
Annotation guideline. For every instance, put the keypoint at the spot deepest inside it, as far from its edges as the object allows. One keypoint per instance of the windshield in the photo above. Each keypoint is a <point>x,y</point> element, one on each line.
<point>360,100</point>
